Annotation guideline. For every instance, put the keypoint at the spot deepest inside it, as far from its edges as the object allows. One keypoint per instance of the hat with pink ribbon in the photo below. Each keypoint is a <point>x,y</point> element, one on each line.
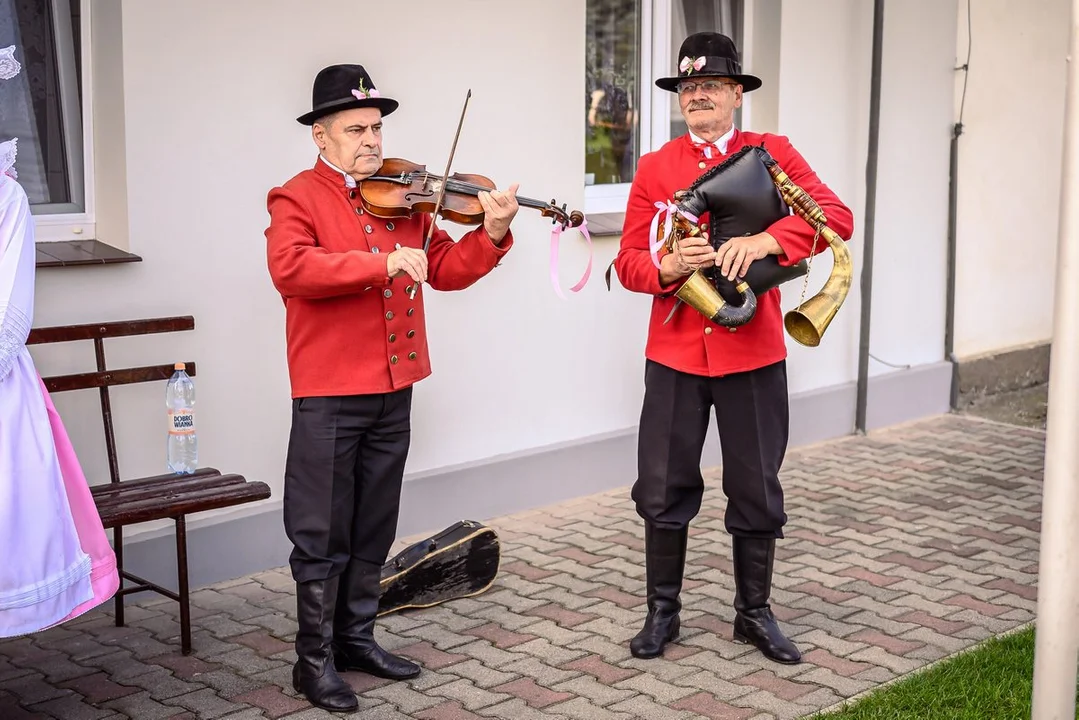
<point>709,54</point>
<point>342,87</point>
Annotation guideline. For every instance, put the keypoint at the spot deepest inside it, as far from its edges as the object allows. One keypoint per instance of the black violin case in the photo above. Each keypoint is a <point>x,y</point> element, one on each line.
<point>461,561</point>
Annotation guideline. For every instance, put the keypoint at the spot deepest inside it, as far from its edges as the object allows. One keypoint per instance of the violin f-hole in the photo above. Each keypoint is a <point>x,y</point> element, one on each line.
<point>414,194</point>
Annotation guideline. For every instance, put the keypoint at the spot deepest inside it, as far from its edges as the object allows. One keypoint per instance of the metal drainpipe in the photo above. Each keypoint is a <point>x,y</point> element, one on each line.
<point>949,317</point>
<point>870,217</point>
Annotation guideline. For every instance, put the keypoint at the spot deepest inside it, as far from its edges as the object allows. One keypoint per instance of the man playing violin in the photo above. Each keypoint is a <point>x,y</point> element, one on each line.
<point>356,345</point>
<point>693,365</point>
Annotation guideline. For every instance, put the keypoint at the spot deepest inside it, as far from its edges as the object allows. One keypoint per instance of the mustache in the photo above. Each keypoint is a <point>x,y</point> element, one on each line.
<point>701,105</point>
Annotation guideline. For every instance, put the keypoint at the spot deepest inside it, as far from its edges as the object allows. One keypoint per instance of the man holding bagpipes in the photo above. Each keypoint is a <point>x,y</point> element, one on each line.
<point>715,337</point>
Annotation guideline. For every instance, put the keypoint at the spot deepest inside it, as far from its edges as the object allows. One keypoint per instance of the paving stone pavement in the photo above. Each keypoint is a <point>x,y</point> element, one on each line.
<point>902,547</point>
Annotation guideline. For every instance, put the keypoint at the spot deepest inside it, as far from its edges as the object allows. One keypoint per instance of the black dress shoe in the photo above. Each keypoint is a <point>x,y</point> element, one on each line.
<point>354,646</point>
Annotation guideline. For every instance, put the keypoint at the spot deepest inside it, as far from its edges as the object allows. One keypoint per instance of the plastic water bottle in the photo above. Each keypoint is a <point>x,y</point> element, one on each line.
<point>183,444</point>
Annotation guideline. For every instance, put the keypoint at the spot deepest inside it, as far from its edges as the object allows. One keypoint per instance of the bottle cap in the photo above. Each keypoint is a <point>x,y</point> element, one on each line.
<point>180,366</point>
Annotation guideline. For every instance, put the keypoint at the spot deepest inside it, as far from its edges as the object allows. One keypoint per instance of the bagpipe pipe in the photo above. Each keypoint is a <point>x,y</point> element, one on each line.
<point>743,196</point>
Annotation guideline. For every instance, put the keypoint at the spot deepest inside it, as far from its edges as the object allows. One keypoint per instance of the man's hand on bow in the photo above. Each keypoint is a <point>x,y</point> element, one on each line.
<point>499,207</point>
<point>407,260</point>
<point>735,256</point>
<point>690,253</point>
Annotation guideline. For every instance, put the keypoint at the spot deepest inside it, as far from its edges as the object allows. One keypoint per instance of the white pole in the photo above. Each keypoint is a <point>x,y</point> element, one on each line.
<point>1056,649</point>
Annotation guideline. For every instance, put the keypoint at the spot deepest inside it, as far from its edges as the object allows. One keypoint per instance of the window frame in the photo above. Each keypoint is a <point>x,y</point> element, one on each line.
<point>73,225</point>
<point>654,119</point>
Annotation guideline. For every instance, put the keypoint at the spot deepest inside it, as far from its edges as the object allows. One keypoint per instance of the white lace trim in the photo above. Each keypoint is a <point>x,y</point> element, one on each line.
<point>8,151</point>
<point>9,66</point>
<point>49,587</point>
<point>14,328</point>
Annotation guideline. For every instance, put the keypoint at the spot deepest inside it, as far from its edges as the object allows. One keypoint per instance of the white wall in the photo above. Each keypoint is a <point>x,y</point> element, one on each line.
<point>209,108</point>
<point>824,108</point>
<point>1009,172</point>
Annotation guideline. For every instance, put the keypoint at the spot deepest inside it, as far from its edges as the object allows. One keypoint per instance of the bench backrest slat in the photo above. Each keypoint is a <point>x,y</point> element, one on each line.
<point>125,328</point>
<point>112,378</point>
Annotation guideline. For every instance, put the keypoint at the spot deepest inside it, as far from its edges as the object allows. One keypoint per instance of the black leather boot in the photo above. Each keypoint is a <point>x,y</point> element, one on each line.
<point>354,646</point>
<point>665,560</point>
<point>754,622</point>
<point>313,675</point>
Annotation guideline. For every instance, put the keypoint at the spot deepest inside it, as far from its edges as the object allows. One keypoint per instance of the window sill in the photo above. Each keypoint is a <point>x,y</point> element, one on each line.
<point>605,223</point>
<point>78,253</point>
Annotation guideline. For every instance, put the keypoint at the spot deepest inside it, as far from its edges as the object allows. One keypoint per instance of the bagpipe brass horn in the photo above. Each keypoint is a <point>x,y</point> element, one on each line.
<point>807,323</point>
<point>701,293</point>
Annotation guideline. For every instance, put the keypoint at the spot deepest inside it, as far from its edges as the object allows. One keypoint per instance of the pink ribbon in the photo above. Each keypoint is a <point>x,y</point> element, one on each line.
<point>654,243</point>
<point>556,234</point>
<point>686,63</point>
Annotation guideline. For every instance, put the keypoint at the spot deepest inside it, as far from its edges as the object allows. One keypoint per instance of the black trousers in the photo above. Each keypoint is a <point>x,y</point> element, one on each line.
<point>346,459</point>
<point>752,416</point>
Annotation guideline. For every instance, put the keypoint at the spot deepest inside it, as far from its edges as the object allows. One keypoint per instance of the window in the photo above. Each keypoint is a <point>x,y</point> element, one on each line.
<point>46,106</point>
<point>630,43</point>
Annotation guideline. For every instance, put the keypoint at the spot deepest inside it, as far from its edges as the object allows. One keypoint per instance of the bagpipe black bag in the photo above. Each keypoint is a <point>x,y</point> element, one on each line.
<point>741,199</point>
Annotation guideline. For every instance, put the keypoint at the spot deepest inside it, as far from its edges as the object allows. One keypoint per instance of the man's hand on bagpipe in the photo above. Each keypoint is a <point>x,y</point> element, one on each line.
<point>735,256</point>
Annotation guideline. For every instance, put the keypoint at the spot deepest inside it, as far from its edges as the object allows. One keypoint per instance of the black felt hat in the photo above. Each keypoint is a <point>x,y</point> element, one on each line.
<point>706,54</point>
<point>342,87</point>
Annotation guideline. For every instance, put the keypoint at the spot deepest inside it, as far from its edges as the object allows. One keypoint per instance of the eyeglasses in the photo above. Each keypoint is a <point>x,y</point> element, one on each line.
<point>710,87</point>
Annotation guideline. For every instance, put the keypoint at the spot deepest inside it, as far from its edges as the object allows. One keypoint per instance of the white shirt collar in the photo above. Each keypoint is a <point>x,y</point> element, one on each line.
<point>349,180</point>
<point>721,143</point>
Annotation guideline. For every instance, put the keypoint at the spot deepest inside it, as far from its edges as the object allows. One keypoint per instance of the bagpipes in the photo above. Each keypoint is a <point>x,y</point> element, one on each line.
<point>743,196</point>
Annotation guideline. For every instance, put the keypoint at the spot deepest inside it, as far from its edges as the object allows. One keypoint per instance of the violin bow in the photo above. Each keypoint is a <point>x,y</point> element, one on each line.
<point>442,186</point>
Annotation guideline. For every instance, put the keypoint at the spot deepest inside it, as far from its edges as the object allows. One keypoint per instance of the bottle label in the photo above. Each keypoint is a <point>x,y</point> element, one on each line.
<point>181,422</point>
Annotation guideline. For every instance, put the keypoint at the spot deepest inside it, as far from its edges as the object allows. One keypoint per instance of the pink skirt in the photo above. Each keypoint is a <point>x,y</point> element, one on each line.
<point>103,574</point>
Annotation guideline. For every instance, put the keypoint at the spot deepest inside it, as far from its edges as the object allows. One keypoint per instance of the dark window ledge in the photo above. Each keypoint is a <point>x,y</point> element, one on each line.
<point>601,224</point>
<point>77,253</point>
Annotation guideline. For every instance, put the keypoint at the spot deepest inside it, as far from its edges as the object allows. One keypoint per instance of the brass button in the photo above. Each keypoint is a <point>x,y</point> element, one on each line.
<point>702,165</point>
<point>389,315</point>
<point>368,228</point>
<point>359,211</point>
<point>393,359</point>
<point>393,337</point>
<point>733,329</point>
<point>704,226</point>
<point>708,331</point>
<point>412,356</point>
<point>410,311</point>
<point>389,226</point>
<point>408,289</point>
<point>411,334</point>
<point>374,250</point>
<point>352,194</point>
<point>387,292</point>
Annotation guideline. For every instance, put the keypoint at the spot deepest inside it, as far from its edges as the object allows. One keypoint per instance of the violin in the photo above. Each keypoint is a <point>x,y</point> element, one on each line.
<point>402,188</point>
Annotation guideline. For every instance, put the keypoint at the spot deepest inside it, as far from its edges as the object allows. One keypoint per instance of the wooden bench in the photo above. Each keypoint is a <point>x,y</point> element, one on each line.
<point>123,502</point>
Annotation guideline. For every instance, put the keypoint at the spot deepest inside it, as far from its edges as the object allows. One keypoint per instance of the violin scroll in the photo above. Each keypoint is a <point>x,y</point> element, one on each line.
<point>559,214</point>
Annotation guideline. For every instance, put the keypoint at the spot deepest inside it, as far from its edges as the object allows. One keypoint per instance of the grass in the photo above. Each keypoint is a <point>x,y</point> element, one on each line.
<point>991,682</point>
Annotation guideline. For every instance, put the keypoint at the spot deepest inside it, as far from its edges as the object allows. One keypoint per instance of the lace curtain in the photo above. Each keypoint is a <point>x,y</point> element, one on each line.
<point>33,104</point>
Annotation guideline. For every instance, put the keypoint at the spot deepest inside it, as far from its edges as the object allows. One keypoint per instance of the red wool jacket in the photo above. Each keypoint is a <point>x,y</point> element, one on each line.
<point>690,342</point>
<point>349,328</point>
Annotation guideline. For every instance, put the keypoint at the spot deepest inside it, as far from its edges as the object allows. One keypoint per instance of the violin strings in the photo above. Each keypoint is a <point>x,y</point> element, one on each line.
<point>472,187</point>
<point>463,185</point>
